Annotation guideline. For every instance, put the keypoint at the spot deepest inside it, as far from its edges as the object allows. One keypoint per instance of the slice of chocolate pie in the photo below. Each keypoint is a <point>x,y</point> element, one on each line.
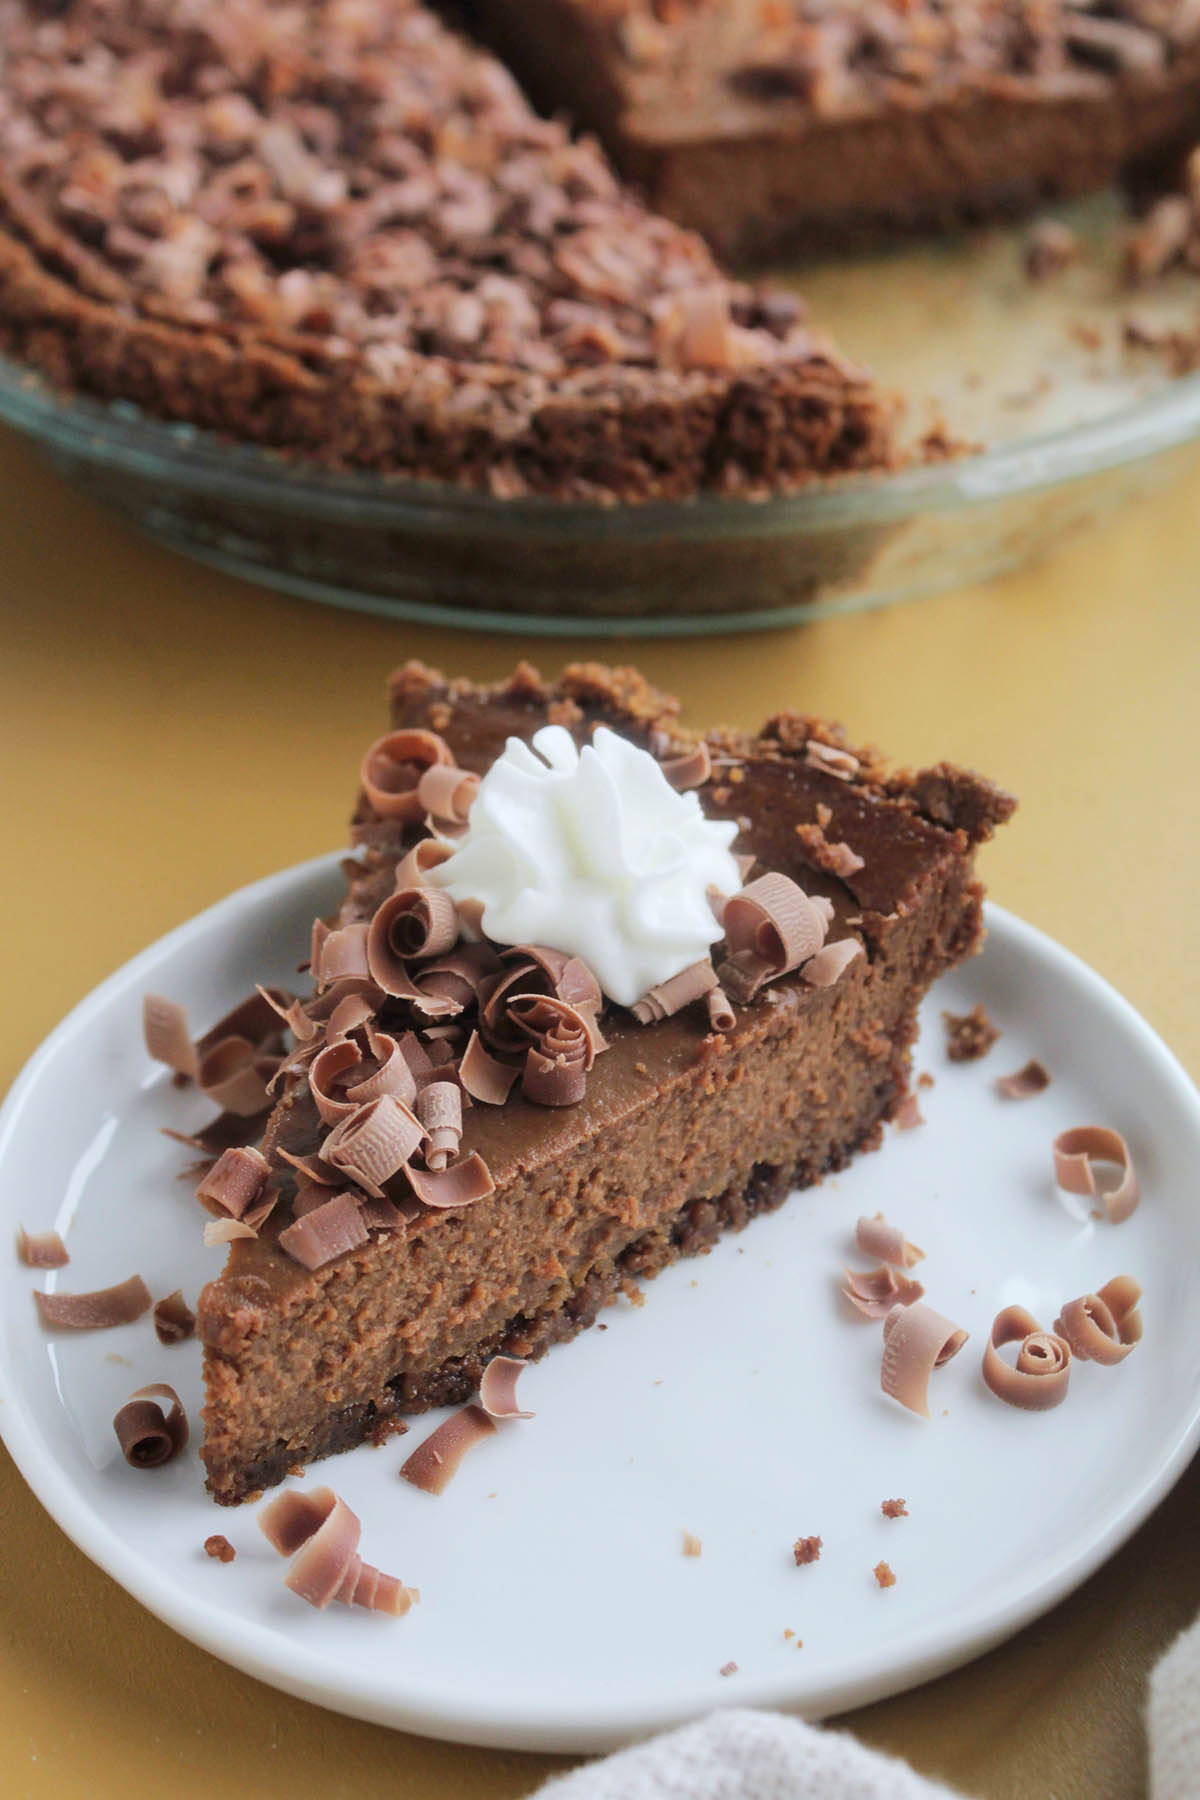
<point>572,1020</point>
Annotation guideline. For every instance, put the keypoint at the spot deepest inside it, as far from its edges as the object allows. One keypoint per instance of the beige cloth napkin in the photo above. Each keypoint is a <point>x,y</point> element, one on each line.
<point>743,1755</point>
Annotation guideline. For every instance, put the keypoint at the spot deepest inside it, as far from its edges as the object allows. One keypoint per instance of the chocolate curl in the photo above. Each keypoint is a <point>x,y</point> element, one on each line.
<point>461,1184</point>
<point>1103,1327</point>
<point>875,1237</point>
<point>226,1231</point>
<point>393,1076</point>
<point>236,1077</point>
<point>498,1031</point>
<point>671,996</point>
<point>771,927</point>
<point>1043,1367</point>
<point>353,1011</point>
<point>447,794</point>
<point>168,1039</point>
<point>468,972</point>
<point>434,1461</point>
<point>320,1565</point>
<point>374,1143</point>
<point>1024,1083</point>
<point>831,963</point>
<point>414,869</point>
<point>174,1320</point>
<point>392,770</point>
<point>498,1388</point>
<point>328,1231</point>
<point>311,1168</point>
<point>341,956</point>
<point>689,770</point>
<point>1075,1154</point>
<point>557,1028</point>
<point>552,1080</point>
<point>414,923</point>
<point>721,1015</point>
<point>482,1076</point>
<point>149,1437</point>
<point>41,1249</point>
<point>875,1291</point>
<point>916,1340</point>
<point>439,1108</point>
<point>234,1183</point>
<point>292,1518</point>
<point>98,1310</point>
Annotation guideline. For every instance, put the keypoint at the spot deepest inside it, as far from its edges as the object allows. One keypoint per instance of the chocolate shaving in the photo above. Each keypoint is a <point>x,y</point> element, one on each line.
<point>174,1319</point>
<point>1033,1079</point>
<point>671,996</point>
<point>374,1143</point>
<point>552,1080</point>
<point>721,1015</point>
<point>916,1340</point>
<point>1076,1152</point>
<point>311,1167</point>
<point>393,1076</point>
<point>302,1027</point>
<point>341,956</point>
<point>1038,1381</point>
<point>226,1231</point>
<point>447,793</point>
<point>875,1237</point>
<point>235,1076</point>
<point>414,923</point>
<point>690,770</point>
<point>439,1108</point>
<point>98,1310</point>
<point>461,1184</point>
<point>1103,1327</point>
<point>168,1038</point>
<point>41,1249</point>
<point>483,1077</point>
<point>235,1183</point>
<point>392,770</point>
<point>319,1566</point>
<point>291,1518</point>
<point>326,1079</point>
<point>771,926</point>
<point>328,1231</point>
<point>830,964</point>
<point>149,1437</point>
<point>875,1291</point>
<point>434,1461</point>
<point>426,854</point>
<point>498,1388</point>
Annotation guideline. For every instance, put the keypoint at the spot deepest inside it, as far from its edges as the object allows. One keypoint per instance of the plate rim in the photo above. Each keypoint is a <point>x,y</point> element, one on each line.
<point>946,1643</point>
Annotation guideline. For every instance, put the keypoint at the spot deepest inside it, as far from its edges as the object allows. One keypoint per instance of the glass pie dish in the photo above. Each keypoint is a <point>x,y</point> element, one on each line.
<point>1076,423</point>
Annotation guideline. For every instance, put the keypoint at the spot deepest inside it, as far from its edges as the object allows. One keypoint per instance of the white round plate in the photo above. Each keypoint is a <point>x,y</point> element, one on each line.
<point>741,1403</point>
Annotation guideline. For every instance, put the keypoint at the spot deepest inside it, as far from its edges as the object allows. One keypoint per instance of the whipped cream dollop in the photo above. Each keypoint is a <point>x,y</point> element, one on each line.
<point>592,852</point>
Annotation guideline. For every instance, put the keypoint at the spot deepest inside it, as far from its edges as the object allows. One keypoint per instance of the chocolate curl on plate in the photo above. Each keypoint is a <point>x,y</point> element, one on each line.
<point>413,869</point>
<point>875,1291</point>
<point>498,1388</point>
<point>1024,1083</point>
<point>1043,1366</point>
<point>98,1310</point>
<point>149,1437</point>
<point>439,1108</point>
<point>235,1183</point>
<point>292,1518</point>
<point>328,1231</point>
<point>771,927</point>
<point>434,1461</point>
<point>483,1077</point>
<point>374,1142</point>
<point>916,1341</point>
<point>168,1038</point>
<point>1076,1153</point>
<point>460,1184</point>
<point>671,996</point>
<point>830,964</point>
<point>41,1249</point>
<point>392,769</point>
<point>691,769</point>
<point>1103,1327</point>
<point>875,1237</point>
<point>447,794</point>
<point>174,1320</point>
<point>319,1566</point>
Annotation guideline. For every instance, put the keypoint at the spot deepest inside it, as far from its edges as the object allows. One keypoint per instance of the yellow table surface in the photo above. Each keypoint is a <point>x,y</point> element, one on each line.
<point>168,734</point>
